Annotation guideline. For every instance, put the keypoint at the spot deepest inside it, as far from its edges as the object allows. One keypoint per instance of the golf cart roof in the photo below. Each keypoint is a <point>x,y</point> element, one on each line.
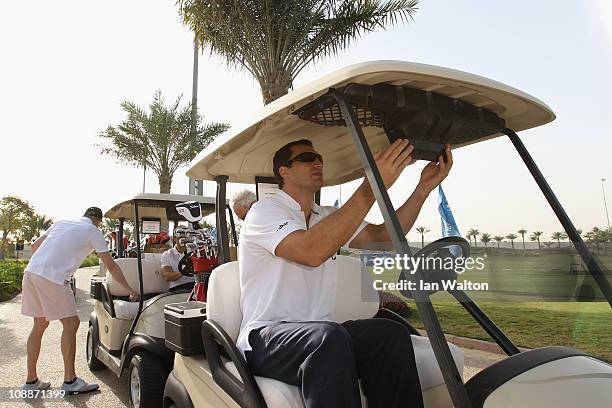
<point>247,153</point>
<point>161,206</point>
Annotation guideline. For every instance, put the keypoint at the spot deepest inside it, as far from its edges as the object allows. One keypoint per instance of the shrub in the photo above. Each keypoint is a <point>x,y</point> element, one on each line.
<point>394,303</point>
<point>91,260</point>
<point>11,274</point>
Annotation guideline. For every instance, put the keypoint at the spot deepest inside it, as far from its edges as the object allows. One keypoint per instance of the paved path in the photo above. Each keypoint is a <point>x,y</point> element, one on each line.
<point>14,331</point>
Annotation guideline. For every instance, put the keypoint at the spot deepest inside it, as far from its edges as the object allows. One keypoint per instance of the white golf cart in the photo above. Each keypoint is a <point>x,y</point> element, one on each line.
<point>347,115</point>
<point>126,334</point>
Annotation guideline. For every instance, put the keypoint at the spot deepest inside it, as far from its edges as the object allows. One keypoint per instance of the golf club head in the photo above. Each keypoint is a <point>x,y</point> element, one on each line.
<point>190,210</point>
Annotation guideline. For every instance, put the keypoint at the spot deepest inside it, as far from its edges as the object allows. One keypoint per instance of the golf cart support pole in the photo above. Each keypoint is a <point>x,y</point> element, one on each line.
<point>588,258</point>
<point>451,375</point>
<point>120,248</point>
<point>232,225</point>
<point>222,235</point>
<point>487,324</point>
<point>139,262</point>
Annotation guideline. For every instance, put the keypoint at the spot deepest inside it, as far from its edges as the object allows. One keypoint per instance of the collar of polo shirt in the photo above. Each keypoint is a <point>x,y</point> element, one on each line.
<point>294,204</point>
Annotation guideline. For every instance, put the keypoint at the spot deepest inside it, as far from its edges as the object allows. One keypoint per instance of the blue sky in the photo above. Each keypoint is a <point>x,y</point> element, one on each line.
<point>67,65</point>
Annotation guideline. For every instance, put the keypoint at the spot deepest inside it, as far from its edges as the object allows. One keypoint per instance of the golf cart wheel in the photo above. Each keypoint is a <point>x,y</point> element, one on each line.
<point>92,361</point>
<point>147,377</point>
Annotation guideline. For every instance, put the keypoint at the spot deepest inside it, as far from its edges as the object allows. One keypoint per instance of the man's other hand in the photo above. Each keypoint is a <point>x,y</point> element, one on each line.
<point>434,172</point>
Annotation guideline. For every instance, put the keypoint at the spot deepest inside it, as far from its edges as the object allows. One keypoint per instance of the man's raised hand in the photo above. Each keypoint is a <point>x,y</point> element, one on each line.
<point>393,161</point>
<point>434,172</point>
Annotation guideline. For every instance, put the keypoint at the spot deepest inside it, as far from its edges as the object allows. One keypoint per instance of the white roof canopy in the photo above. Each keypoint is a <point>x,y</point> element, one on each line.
<point>247,152</point>
<point>158,206</point>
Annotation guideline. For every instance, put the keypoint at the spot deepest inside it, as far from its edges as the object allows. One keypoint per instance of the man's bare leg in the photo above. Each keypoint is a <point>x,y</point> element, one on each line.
<point>33,346</point>
<point>71,325</point>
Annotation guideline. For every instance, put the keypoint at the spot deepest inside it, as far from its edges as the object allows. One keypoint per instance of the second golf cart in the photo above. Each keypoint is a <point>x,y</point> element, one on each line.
<point>125,335</point>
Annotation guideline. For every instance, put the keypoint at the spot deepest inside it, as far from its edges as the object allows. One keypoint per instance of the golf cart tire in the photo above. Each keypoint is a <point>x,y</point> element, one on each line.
<point>92,361</point>
<point>152,375</point>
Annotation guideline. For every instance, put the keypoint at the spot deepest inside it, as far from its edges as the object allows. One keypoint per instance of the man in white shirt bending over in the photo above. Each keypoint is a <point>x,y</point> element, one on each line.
<point>46,294</point>
<point>170,270</point>
<point>288,283</point>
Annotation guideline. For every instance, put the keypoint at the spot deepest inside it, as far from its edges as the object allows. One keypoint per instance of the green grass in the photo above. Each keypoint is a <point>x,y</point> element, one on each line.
<point>532,298</point>
<point>582,325</point>
<point>11,273</point>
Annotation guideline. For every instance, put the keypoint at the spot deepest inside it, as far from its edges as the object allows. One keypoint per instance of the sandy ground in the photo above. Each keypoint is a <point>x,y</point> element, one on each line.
<point>15,328</point>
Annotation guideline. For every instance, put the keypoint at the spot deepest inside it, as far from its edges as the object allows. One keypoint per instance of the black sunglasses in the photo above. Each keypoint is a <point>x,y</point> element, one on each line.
<point>306,157</point>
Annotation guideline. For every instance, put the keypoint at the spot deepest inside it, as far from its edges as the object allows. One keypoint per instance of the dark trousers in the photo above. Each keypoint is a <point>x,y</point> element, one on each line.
<point>325,359</point>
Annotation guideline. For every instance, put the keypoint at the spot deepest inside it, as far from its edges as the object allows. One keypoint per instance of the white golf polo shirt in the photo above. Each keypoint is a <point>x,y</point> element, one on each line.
<point>171,258</point>
<point>67,244</point>
<point>275,289</point>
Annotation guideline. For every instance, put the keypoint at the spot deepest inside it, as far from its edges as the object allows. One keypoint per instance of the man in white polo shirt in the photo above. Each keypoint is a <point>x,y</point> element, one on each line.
<point>46,292</point>
<point>170,271</point>
<point>288,284</point>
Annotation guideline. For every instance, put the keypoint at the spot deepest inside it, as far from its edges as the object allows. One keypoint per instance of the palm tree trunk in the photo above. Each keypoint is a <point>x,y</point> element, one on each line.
<point>539,246</point>
<point>559,241</point>
<point>524,242</point>
<point>422,241</point>
<point>512,243</point>
<point>165,183</point>
<point>274,87</point>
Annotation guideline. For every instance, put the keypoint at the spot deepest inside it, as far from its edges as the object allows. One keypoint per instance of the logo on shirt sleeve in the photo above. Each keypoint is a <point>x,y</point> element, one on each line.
<point>282,225</point>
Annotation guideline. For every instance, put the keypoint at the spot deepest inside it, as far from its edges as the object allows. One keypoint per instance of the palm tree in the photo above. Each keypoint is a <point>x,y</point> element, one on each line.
<point>34,225</point>
<point>161,140</point>
<point>559,236</point>
<point>535,236</point>
<point>523,231</point>
<point>512,237</point>
<point>498,238</point>
<point>591,237</point>
<point>422,231</point>
<point>485,238</point>
<point>473,233</point>
<point>109,225</point>
<point>275,40</point>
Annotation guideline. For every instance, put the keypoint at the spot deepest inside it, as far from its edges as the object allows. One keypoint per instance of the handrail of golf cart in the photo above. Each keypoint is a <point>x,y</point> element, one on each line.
<point>450,373</point>
<point>591,263</point>
<point>140,282</point>
<point>245,390</point>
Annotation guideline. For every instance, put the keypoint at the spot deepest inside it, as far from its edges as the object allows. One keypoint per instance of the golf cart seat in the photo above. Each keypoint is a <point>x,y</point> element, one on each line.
<point>356,298</point>
<point>153,283</point>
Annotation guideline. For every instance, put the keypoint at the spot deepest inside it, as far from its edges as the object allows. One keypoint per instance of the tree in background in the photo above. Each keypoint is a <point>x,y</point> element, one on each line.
<point>160,139</point>
<point>276,40</point>
<point>523,231</point>
<point>498,239</point>
<point>485,238</point>
<point>14,213</point>
<point>422,231</point>
<point>559,236</point>
<point>473,233</point>
<point>33,226</point>
<point>512,237</point>
<point>535,236</point>
<point>109,225</point>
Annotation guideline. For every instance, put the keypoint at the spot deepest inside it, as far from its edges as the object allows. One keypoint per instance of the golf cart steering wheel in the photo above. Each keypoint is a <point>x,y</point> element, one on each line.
<point>185,266</point>
<point>439,249</point>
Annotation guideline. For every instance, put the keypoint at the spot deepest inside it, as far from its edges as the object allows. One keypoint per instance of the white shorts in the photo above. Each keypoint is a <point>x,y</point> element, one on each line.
<point>42,298</point>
